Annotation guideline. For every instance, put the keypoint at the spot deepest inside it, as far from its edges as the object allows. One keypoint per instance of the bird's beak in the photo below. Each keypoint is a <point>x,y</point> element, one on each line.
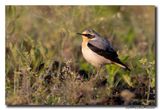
<point>79,34</point>
<point>87,35</point>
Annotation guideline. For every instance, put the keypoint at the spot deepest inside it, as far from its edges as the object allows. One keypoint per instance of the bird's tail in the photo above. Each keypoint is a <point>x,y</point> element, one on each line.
<point>119,63</point>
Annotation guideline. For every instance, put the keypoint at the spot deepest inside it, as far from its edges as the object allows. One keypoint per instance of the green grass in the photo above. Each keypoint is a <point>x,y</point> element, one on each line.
<point>45,66</point>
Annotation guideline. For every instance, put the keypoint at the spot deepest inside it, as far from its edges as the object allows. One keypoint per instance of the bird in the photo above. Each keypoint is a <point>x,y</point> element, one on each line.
<point>98,51</point>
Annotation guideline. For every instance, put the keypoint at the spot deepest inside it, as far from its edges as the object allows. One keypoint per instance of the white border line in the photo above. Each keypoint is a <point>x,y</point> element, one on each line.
<point>82,2</point>
<point>63,2</point>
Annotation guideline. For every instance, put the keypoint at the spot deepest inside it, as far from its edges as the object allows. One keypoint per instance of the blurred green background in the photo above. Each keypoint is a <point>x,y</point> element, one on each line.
<point>37,35</point>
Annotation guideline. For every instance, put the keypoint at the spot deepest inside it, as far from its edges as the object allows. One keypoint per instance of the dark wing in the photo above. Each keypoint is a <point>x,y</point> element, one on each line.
<point>107,52</point>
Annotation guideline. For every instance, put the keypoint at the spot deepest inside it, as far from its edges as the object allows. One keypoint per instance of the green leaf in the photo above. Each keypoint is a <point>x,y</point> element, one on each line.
<point>127,79</point>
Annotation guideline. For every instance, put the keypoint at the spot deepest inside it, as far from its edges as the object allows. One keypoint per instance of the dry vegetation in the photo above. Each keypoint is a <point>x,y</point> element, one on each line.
<point>44,64</point>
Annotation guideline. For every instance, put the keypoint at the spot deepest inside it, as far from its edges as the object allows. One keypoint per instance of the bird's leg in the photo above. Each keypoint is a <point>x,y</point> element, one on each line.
<point>98,72</point>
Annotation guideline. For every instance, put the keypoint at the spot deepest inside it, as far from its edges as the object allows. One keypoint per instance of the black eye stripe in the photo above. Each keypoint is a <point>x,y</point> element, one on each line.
<point>89,35</point>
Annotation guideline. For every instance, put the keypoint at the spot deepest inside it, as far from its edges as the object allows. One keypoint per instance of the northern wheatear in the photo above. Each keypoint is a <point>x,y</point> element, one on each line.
<point>98,51</point>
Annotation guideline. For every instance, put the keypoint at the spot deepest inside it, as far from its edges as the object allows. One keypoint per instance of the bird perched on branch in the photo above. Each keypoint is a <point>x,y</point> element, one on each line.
<point>98,51</point>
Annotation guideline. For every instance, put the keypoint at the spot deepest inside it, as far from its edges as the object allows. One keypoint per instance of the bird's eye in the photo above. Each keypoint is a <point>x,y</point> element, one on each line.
<point>90,36</point>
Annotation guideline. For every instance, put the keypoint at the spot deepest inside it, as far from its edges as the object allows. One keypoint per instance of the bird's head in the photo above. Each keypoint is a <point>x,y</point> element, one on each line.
<point>88,34</point>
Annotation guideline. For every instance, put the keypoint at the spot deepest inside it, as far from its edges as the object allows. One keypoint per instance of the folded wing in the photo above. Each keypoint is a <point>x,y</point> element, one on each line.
<point>104,49</point>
